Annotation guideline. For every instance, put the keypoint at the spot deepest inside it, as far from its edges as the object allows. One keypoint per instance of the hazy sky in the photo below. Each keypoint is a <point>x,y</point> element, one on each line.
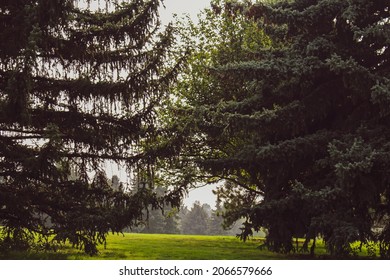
<point>179,7</point>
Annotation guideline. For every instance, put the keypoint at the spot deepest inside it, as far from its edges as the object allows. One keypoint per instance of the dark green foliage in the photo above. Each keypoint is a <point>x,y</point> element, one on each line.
<point>171,225</point>
<point>163,219</point>
<point>297,126</point>
<point>78,87</point>
<point>215,226</point>
<point>155,222</point>
<point>195,220</point>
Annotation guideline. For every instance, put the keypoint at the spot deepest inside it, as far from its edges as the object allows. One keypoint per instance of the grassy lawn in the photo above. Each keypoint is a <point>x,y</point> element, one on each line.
<point>170,247</point>
<point>183,247</point>
<point>163,247</point>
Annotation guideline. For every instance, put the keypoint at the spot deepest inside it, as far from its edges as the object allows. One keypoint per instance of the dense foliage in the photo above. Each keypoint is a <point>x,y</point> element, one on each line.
<point>286,102</point>
<point>296,123</point>
<point>79,85</point>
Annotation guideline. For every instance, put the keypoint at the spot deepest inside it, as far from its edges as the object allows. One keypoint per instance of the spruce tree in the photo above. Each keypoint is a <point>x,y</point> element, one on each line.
<point>298,127</point>
<point>216,225</point>
<point>196,220</point>
<point>79,86</point>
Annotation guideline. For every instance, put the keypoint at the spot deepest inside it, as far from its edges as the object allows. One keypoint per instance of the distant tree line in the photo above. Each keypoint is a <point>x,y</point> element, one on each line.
<point>200,219</point>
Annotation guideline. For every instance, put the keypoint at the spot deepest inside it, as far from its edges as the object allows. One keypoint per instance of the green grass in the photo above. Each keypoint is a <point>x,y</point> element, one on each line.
<point>184,247</point>
<point>163,247</point>
<point>171,247</point>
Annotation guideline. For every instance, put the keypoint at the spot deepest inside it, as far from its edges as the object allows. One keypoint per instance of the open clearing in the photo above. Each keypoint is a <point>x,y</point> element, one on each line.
<point>131,246</point>
<point>163,247</point>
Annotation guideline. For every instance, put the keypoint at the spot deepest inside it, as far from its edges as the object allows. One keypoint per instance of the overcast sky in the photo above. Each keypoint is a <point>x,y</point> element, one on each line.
<point>180,7</point>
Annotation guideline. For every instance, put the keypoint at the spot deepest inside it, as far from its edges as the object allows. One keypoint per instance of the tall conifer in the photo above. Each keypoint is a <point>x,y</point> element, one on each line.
<point>297,126</point>
<point>79,85</point>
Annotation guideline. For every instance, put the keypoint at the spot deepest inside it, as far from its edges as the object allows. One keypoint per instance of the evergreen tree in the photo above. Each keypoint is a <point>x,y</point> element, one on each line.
<point>299,125</point>
<point>195,221</point>
<point>115,183</point>
<point>161,219</point>
<point>215,226</point>
<point>172,220</point>
<point>155,222</point>
<point>78,88</point>
<point>164,220</point>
